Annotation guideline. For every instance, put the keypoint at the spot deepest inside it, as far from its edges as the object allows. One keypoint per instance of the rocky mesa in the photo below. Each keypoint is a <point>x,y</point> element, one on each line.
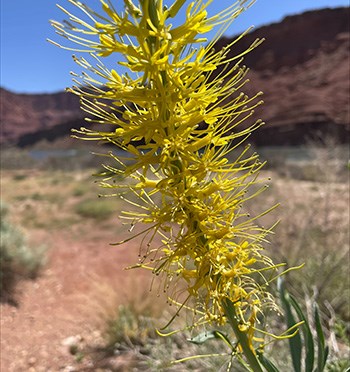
<point>302,67</point>
<point>30,115</point>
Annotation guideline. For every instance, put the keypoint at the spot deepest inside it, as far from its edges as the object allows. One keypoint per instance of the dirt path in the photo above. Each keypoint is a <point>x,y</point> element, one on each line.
<point>64,304</point>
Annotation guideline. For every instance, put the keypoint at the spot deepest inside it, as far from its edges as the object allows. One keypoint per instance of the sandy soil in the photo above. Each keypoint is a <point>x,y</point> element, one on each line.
<point>59,319</point>
<point>60,308</point>
<point>62,312</point>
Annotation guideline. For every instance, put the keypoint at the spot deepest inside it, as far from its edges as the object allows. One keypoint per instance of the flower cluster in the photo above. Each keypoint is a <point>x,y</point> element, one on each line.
<point>172,114</point>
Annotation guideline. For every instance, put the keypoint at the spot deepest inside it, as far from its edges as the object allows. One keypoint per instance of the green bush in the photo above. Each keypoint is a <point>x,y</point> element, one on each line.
<point>134,330</point>
<point>98,209</point>
<point>17,260</point>
<point>129,327</point>
<point>340,365</point>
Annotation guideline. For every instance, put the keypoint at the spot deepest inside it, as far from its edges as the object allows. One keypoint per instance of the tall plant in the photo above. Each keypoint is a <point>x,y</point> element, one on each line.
<point>180,114</point>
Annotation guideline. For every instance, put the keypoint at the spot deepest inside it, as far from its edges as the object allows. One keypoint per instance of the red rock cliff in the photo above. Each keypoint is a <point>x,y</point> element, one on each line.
<point>302,68</point>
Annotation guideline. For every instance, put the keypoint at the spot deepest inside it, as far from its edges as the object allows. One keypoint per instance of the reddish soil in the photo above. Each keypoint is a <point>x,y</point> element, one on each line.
<point>65,304</point>
<point>83,281</point>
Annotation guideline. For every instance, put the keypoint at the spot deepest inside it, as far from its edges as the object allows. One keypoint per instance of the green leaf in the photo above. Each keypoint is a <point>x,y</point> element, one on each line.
<point>268,365</point>
<point>224,338</point>
<point>205,336</point>
<point>326,352</point>
<point>295,343</point>
<point>202,337</point>
<point>322,349</point>
<point>308,339</point>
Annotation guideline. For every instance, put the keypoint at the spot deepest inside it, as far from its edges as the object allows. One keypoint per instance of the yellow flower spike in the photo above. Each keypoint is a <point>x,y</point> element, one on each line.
<point>180,114</point>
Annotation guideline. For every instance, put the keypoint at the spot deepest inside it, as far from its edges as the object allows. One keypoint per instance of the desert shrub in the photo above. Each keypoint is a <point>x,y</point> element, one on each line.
<point>133,329</point>
<point>80,190</point>
<point>20,177</point>
<point>129,327</point>
<point>319,238</point>
<point>325,274</point>
<point>98,209</point>
<point>14,158</point>
<point>329,160</point>
<point>340,365</point>
<point>17,259</point>
<point>314,225</point>
<point>314,230</point>
<point>321,159</point>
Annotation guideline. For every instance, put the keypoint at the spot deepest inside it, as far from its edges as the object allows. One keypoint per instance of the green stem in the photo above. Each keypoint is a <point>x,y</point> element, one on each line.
<point>153,5</point>
<point>228,305</point>
<point>241,336</point>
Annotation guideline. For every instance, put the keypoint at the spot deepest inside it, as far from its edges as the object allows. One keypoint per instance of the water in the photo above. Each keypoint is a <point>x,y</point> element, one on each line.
<point>292,154</point>
<point>52,153</point>
<point>288,153</point>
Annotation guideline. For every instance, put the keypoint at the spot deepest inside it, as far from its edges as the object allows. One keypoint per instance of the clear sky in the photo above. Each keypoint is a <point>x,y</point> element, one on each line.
<point>29,64</point>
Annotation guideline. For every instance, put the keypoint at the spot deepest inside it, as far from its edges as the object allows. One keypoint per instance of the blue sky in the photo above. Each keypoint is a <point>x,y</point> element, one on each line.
<point>29,64</point>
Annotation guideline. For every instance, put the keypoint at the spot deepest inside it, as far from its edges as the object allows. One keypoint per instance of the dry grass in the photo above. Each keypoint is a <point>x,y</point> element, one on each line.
<point>314,230</point>
<point>52,200</point>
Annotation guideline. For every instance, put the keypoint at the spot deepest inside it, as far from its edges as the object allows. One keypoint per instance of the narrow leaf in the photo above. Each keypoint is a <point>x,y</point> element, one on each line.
<point>224,338</point>
<point>268,365</point>
<point>326,352</point>
<point>202,337</point>
<point>205,336</point>
<point>322,350</point>
<point>295,343</point>
<point>308,339</point>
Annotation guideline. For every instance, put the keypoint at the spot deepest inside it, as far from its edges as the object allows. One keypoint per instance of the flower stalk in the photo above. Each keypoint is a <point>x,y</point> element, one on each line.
<point>180,114</point>
<point>242,339</point>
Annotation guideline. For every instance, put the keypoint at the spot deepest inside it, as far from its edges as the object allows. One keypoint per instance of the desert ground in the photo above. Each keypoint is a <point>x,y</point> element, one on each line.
<point>58,320</point>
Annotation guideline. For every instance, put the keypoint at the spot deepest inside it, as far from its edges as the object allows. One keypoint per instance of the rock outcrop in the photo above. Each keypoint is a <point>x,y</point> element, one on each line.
<point>23,114</point>
<point>302,67</point>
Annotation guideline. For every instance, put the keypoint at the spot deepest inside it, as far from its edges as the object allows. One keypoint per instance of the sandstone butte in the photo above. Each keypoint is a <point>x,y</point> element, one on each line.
<point>302,68</point>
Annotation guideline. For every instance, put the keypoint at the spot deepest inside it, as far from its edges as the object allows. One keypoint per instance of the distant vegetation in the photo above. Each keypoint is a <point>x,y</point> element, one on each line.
<point>17,260</point>
<point>95,208</point>
<point>314,213</point>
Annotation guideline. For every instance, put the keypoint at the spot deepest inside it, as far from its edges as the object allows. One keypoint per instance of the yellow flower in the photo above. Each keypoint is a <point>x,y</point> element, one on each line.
<point>174,104</point>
